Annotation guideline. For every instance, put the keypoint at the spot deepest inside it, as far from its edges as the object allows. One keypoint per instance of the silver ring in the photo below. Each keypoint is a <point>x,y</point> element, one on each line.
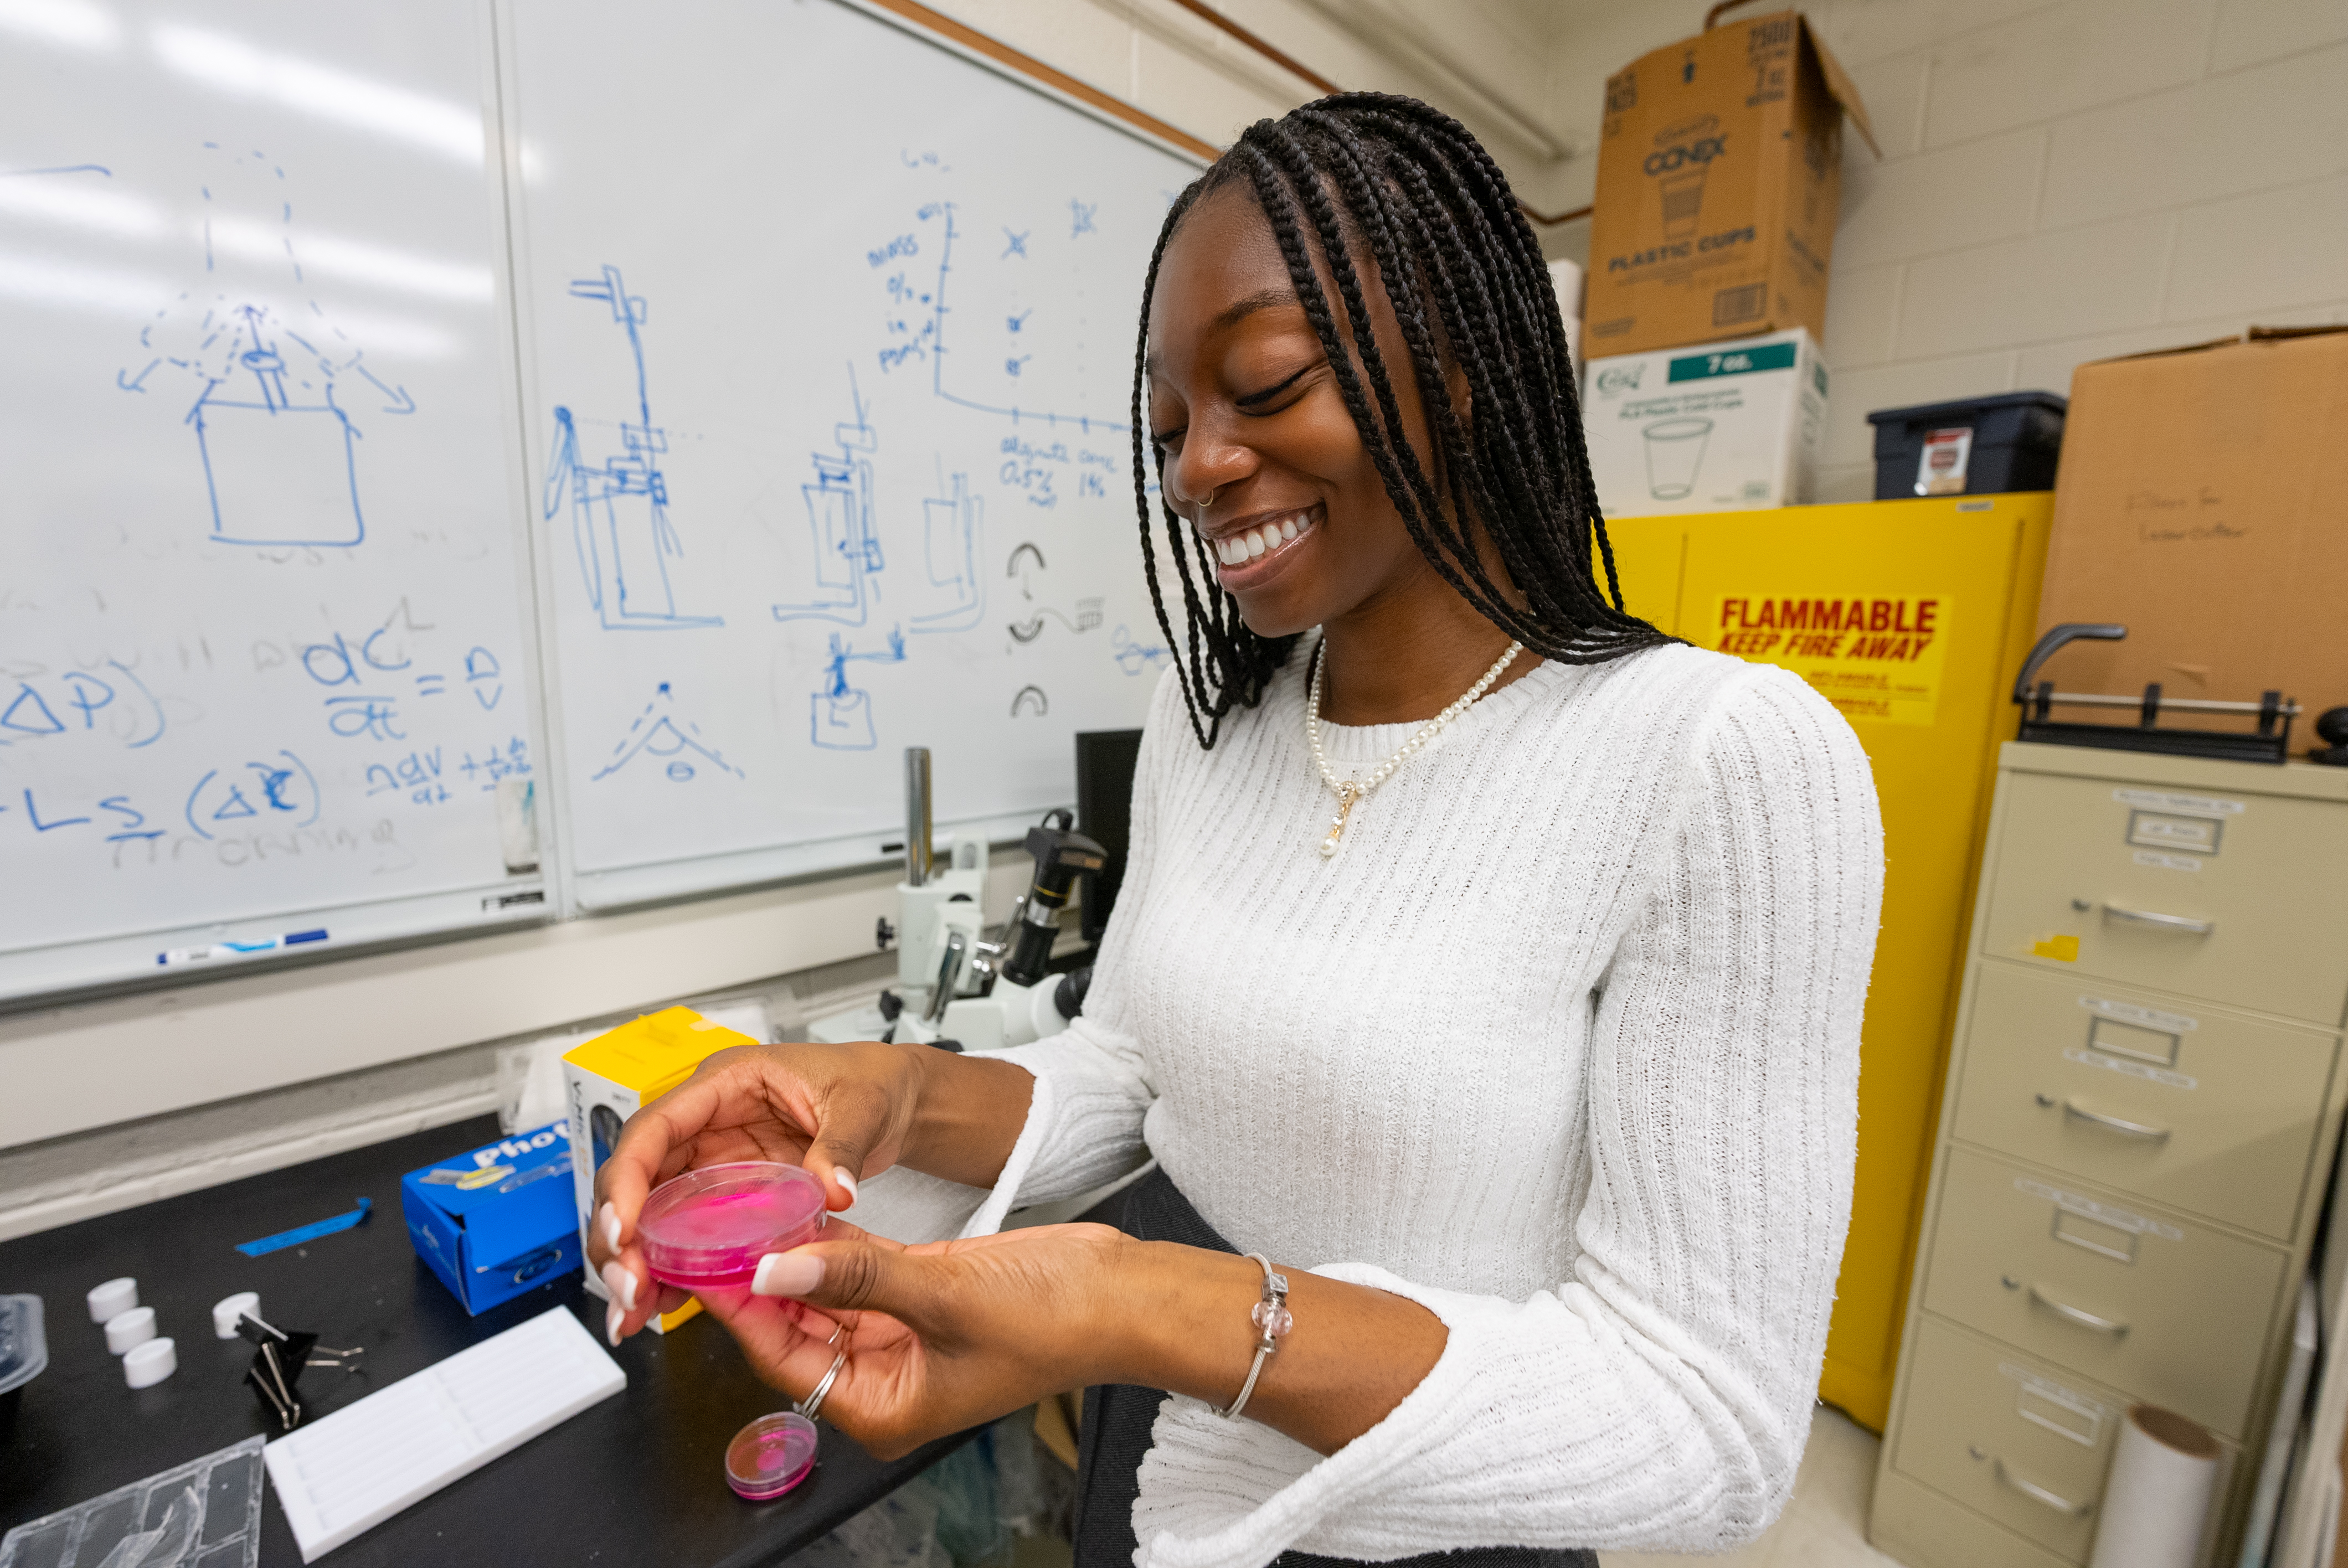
<point>837,1330</point>
<point>814,1402</point>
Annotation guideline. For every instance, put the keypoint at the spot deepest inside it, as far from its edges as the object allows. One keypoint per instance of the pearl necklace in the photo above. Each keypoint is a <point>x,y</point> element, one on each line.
<point>1349,793</point>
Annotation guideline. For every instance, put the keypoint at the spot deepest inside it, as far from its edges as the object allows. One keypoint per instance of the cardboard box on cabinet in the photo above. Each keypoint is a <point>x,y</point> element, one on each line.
<point>1719,177</point>
<point>1715,427</point>
<point>2202,503</point>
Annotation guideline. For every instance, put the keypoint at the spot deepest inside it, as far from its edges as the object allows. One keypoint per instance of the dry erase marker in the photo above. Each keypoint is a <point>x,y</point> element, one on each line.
<point>238,949</point>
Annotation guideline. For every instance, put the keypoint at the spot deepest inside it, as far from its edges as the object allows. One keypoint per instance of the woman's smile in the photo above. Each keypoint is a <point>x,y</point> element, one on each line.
<point>1250,549</point>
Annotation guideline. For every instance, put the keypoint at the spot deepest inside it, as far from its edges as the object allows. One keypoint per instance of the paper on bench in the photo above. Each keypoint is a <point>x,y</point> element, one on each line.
<point>345,1473</point>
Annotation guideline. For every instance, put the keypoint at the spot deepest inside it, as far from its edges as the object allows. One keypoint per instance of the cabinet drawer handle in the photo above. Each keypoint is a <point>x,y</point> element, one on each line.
<point>2184,923</point>
<point>2126,1129</point>
<point>2039,1494</point>
<point>2084,1319</point>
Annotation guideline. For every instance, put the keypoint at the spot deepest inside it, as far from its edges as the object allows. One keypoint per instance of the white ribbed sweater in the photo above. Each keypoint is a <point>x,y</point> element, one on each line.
<point>1563,1045</point>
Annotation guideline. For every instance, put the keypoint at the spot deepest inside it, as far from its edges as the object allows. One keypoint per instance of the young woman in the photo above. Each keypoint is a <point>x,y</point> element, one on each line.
<point>1487,965</point>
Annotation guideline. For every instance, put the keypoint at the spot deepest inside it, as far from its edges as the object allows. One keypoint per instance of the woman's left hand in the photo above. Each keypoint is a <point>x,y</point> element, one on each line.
<point>939,1337</point>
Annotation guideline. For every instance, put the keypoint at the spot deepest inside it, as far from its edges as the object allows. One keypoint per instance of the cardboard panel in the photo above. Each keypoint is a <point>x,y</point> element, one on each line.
<point>2203,504</point>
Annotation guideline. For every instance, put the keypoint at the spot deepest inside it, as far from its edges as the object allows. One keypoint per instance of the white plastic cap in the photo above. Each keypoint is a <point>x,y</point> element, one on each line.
<point>125,1330</point>
<point>229,1308</point>
<point>149,1363</point>
<point>113,1298</point>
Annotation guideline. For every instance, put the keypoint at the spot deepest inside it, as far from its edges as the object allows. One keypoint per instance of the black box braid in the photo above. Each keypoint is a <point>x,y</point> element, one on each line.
<point>1407,184</point>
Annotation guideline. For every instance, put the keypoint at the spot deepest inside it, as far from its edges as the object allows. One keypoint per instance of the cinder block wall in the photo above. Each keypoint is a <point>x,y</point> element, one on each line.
<point>2063,179</point>
<point>2068,181</point>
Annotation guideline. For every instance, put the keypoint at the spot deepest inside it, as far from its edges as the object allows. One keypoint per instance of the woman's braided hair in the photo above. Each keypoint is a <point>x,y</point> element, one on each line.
<point>1410,185</point>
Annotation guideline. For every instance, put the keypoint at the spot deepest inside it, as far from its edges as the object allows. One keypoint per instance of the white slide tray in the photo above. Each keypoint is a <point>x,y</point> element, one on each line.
<point>347,1472</point>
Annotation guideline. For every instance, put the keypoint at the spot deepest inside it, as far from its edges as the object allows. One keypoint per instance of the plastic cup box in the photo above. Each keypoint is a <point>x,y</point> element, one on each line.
<point>707,1229</point>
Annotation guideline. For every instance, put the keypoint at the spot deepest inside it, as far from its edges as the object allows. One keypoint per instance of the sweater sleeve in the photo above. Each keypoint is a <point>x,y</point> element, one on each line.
<point>1092,1091</point>
<point>1658,1398</point>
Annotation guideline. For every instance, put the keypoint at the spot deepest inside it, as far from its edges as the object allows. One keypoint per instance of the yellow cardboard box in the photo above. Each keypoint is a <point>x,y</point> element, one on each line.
<point>614,1075</point>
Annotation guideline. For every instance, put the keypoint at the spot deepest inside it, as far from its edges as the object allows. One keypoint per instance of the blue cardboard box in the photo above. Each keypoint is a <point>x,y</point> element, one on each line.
<point>497,1219</point>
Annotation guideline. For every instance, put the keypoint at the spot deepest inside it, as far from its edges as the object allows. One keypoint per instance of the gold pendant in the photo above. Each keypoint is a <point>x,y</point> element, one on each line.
<point>1347,797</point>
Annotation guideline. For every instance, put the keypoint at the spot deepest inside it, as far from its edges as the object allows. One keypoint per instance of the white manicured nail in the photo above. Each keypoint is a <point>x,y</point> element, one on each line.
<point>612,1321</point>
<point>847,1183</point>
<point>792,1274</point>
<point>622,1285</point>
<point>609,1218</point>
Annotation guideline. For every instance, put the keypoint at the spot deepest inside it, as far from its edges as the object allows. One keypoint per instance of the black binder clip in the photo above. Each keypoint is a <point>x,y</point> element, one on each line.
<point>279,1358</point>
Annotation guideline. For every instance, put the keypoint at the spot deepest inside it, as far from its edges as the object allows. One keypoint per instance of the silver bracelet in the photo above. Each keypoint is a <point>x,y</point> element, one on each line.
<point>1271,1315</point>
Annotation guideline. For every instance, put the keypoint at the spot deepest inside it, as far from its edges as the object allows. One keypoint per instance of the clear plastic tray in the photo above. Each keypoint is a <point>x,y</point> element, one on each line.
<point>24,1345</point>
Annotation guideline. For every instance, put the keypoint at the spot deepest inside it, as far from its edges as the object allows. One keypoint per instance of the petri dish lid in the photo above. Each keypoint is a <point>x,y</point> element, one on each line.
<point>712,1226</point>
<point>24,1345</point>
<point>770,1456</point>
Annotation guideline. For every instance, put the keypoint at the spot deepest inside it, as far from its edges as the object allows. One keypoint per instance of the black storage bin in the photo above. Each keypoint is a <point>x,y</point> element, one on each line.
<point>2016,439</point>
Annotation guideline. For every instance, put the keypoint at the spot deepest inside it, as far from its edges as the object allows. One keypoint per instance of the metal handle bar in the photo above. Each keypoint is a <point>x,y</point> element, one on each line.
<point>2184,923</point>
<point>2126,1129</point>
<point>2083,1318</point>
<point>2039,1494</point>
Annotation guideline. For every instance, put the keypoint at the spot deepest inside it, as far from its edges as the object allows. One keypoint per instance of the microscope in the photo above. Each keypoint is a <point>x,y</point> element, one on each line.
<point>955,989</point>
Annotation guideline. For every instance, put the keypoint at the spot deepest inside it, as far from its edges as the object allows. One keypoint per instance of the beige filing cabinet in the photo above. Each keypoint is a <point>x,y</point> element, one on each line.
<point>2142,1100</point>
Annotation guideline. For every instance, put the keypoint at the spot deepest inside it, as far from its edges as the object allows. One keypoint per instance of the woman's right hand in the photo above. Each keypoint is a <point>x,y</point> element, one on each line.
<point>844,1112</point>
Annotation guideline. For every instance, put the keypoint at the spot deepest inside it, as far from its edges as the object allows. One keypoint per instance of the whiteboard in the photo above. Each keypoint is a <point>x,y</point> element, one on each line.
<point>263,667</point>
<point>826,337</point>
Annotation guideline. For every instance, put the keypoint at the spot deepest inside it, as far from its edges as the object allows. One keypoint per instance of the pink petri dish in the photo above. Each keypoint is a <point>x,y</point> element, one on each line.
<point>770,1456</point>
<point>707,1229</point>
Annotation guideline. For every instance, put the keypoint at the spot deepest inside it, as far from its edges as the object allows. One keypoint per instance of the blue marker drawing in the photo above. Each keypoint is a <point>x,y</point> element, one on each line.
<point>1015,244</point>
<point>841,715</point>
<point>134,826</point>
<point>619,508</point>
<point>33,813</point>
<point>845,543</point>
<point>676,743</point>
<point>482,675</point>
<point>263,444</point>
<point>1080,217</point>
<point>844,539</point>
<point>72,706</point>
<point>28,714</point>
<point>931,338</point>
<point>1133,657</point>
<point>951,543</point>
<point>286,795</point>
<point>272,414</point>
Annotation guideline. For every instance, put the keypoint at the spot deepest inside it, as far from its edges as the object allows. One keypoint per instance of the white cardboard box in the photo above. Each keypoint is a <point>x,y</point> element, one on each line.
<point>1711,428</point>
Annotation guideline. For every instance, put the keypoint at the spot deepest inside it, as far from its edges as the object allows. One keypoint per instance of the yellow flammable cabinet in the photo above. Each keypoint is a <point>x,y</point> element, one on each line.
<point>1912,618</point>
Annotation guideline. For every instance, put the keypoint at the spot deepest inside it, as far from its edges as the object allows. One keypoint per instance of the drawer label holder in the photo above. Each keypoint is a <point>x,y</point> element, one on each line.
<point>2089,1208</point>
<point>2086,1057</point>
<point>2191,804</point>
<point>2073,1414</point>
<point>2168,830</point>
<point>2161,861</point>
<point>2148,1018</point>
